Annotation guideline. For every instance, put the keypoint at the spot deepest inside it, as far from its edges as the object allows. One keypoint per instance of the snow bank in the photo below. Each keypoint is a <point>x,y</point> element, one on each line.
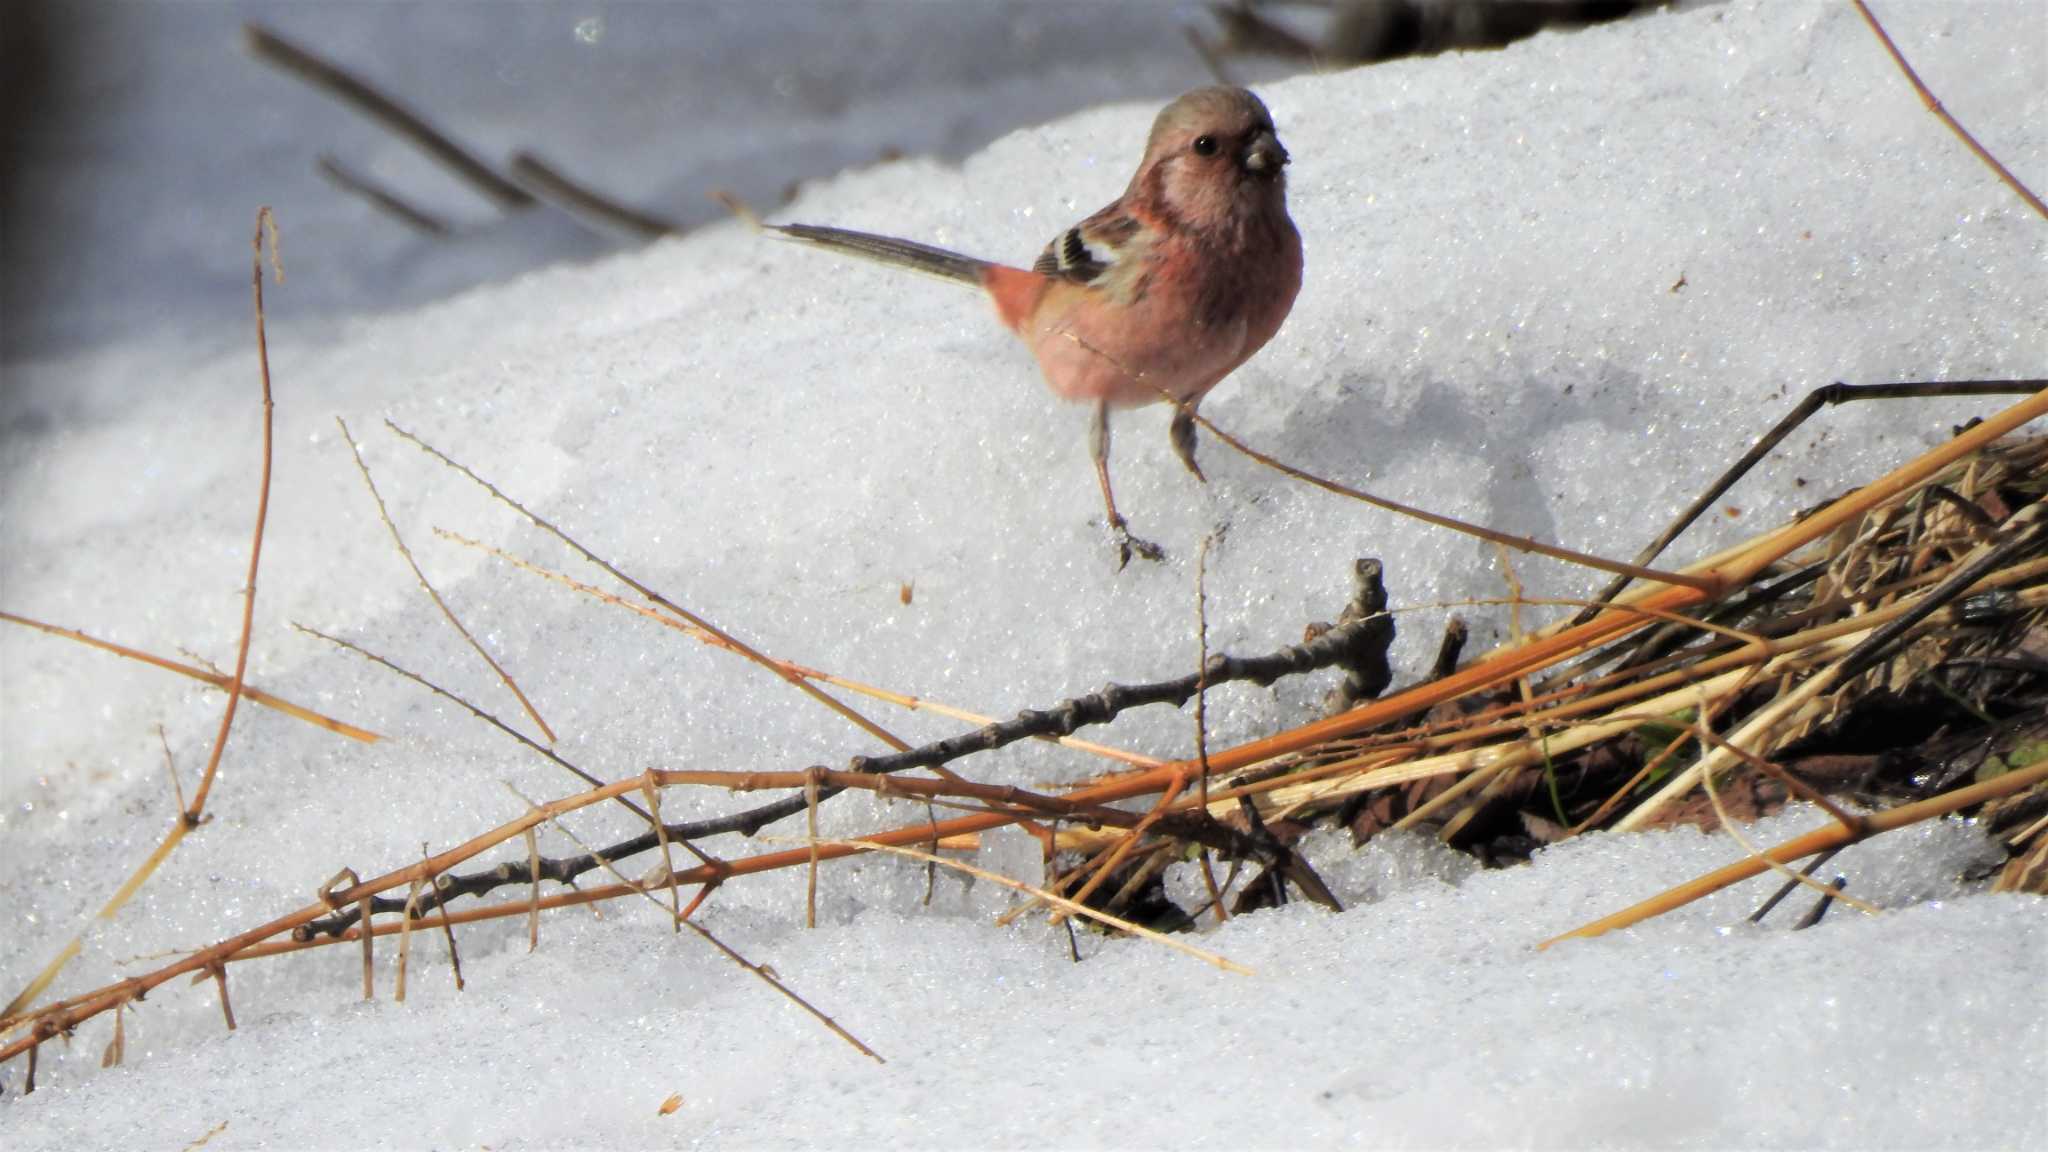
<point>1553,289</point>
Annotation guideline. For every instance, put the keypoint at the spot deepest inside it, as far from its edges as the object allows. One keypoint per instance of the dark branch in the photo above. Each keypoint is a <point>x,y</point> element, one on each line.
<point>1359,640</point>
<point>381,198</point>
<point>350,89</point>
<point>585,204</point>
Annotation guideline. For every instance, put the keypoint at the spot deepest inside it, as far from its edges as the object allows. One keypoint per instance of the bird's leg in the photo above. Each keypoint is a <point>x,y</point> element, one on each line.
<point>1119,532</point>
<point>1183,432</point>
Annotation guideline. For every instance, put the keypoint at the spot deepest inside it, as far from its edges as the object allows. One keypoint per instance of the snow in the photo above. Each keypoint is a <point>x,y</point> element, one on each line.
<point>1491,326</point>
<point>159,133</point>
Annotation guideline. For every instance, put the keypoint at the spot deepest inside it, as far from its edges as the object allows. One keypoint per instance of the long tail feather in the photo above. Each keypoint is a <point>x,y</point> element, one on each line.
<point>889,250</point>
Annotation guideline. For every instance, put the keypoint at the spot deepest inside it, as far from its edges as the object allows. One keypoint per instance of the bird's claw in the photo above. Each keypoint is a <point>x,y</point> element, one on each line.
<point>1126,544</point>
<point>1182,432</point>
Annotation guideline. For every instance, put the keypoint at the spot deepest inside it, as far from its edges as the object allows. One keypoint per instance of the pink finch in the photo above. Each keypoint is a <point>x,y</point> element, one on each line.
<point>1158,296</point>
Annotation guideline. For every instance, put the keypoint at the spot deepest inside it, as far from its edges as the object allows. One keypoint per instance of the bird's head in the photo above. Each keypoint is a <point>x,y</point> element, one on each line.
<point>1213,158</point>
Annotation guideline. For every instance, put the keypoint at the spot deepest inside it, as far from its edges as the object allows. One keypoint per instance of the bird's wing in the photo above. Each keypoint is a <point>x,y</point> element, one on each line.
<point>1090,252</point>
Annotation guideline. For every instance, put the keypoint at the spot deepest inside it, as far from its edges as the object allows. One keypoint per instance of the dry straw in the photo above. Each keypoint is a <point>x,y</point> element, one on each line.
<point>1930,577</point>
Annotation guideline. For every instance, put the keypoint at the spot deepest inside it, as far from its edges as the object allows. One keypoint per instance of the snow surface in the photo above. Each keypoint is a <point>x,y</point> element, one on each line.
<point>158,131</point>
<point>780,440</point>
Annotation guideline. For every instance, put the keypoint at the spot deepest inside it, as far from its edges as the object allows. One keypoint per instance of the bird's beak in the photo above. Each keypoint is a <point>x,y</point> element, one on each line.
<point>1265,156</point>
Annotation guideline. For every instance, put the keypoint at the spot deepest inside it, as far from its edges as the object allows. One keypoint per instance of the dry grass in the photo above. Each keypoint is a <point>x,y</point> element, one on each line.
<point>1704,694</point>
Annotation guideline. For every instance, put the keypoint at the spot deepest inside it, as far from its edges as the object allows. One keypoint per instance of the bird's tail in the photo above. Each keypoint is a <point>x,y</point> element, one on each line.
<point>889,250</point>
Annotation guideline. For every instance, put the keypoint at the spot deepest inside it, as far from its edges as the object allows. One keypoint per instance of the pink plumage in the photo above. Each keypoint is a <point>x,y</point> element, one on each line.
<point>1161,294</point>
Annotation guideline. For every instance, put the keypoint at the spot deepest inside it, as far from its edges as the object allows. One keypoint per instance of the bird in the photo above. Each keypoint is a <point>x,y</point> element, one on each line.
<point>1158,296</point>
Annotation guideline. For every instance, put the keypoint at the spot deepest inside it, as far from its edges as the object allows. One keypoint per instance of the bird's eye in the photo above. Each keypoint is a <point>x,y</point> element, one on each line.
<point>1205,145</point>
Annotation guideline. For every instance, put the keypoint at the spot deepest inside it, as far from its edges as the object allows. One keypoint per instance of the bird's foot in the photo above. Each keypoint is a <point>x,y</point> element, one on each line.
<point>1126,544</point>
<point>1182,432</point>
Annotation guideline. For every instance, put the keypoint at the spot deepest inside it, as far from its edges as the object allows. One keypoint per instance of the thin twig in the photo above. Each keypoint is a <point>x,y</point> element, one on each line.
<point>1820,907</point>
<point>900,699</point>
<point>193,815</point>
<point>533,892</point>
<point>811,827</point>
<point>540,750</point>
<point>303,65</point>
<point>218,680</point>
<point>447,613</point>
<point>1070,906</point>
<point>802,685</point>
<point>1202,664</point>
<point>1832,835</point>
<point>1792,784</point>
<point>220,984</point>
<point>227,718</point>
<point>433,881</point>
<point>208,1135</point>
<point>1728,825</point>
<point>585,204</point>
<point>668,863</point>
<point>1935,106</point>
<point>1505,539</point>
<point>171,769</point>
<point>369,949</point>
<point>411,913</point>
<point>1831,395</point>
<point>382,199</point>
<point>761,971</point>
<point>1336,646</point>
<point>1791,886</point>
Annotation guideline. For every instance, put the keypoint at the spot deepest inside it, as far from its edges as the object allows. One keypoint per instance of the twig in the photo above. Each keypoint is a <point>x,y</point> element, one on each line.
<point>811,874</point>
<point>227,718</point>
<point>1504,539</point>
<point>1335,646</point>
<point>1820,907</point>
<point>761,971</point>
<point>171,770</point>
<point>1728,825</point>
<point>412,906</point>
<point>1988,558</point>
<point>585,204</point>
<point>544,752</point>
<point>1332,647</point>
<point>1935,106</point>
<point>363,914</point>
<point>802,685</point>
<point>117,1048</point>
<point>433,881</point>
<point>533,892</point>
<point>1449,648</point>
<point>1833,835</point>
<point>1070,906</point>
<point>447,613</point>
<point>380,198</point>
<point>668,863</point>
<point>1202,648</point>
<point>1832,394</point>
<point>218,680</point>
<point>900,699</point>
<point>192,816</point>
<point>1791,886</point>
<point>344,86</point>
<point>1792,784</point>
<point>220,984</point>
<point>208,1135</point>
